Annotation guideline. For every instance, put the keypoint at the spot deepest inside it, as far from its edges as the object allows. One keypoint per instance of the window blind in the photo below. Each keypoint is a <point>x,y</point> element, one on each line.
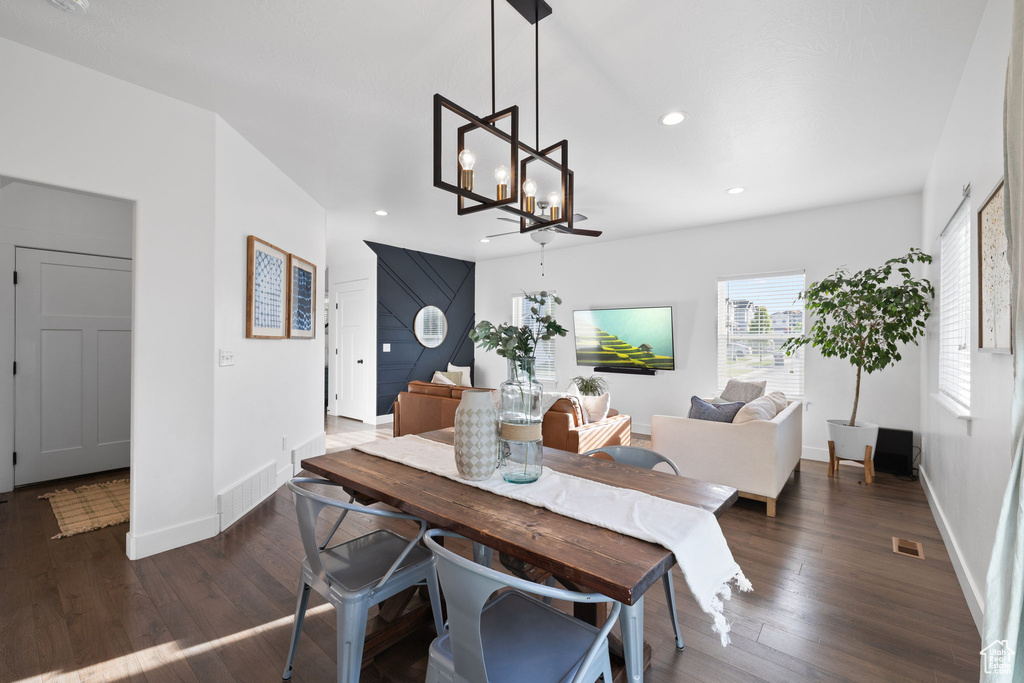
<point>756,315</point>
<point>955,307</point>
<point>545,352</point>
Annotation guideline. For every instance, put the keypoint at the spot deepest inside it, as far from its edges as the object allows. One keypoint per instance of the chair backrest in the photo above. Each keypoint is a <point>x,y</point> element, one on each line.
<point>468,586</point>
<point>636,456</point>
<point>309,505</point>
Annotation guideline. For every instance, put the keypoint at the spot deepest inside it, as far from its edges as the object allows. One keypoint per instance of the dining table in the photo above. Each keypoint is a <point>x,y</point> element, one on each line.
<point>589,557</point>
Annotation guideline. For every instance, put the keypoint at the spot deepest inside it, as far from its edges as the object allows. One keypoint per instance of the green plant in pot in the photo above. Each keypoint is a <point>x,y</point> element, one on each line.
<point>864,317</point>
<point>591,386</point>
<point>520,456</point>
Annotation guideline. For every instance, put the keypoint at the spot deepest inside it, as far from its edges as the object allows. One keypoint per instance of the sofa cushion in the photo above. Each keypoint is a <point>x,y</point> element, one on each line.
<point>450,379</point>
<point>762,408</point>
<point>779,399</point>
<point>738,390</point>
<point>722,412</point>
<point>418,387</point>
<point>596,407</point>
<point>464,369</point>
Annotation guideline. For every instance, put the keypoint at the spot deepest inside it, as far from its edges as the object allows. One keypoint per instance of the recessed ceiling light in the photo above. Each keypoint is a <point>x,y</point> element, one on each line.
<point>485,240</point>
<point>381,212</point>
<point>673,118</point>
<point>735,190</point>
<point>73,6</point>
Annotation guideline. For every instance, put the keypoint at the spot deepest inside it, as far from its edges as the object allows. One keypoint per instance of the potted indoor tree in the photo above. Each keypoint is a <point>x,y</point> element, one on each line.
<point>863,317</point>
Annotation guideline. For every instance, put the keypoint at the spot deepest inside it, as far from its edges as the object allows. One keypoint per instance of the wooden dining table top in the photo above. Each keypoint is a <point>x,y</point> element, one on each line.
<point>595,559</point>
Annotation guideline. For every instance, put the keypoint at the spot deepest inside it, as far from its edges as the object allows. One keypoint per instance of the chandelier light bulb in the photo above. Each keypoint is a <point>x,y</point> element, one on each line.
<point>555,202</point>
<point>466,160</point>
<point>530,194</point>
<point>501,178</point>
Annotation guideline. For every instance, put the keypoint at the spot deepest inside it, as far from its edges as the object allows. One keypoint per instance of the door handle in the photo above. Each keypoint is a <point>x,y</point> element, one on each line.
<point>360,361</point>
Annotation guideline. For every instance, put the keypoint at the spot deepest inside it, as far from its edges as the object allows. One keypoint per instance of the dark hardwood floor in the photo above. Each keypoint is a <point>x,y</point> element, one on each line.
<point>831,601</point>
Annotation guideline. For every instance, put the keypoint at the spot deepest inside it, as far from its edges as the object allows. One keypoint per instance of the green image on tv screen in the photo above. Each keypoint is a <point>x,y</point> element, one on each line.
<point>625,338</point>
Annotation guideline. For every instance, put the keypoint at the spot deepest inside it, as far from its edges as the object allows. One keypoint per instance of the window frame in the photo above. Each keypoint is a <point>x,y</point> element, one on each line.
<point>955,308</point>
<point>546,359</point>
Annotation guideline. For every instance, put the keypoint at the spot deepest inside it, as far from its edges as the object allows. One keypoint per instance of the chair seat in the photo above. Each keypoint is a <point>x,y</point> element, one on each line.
<point>358,565</point>
<point>524,640</point>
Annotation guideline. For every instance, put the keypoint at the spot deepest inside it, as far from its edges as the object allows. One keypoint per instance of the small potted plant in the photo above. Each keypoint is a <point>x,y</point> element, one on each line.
<point>521,452</point>
<point>864,317</point>
<point>590,386</point>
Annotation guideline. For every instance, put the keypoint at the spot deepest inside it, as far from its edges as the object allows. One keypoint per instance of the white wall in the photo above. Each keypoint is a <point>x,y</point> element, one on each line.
<point>274,391</point>
<point>79,129</point>
<point>966,466</point>
<point>352,260</point>
<point>48,218</point>
<point>681,269</point>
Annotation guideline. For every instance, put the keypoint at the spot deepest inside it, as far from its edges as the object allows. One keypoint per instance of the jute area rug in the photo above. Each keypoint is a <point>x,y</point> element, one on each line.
<point>91,507</point>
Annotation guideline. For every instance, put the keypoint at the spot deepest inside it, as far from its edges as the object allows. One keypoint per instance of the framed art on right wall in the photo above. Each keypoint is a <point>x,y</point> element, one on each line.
<point>994,334</point>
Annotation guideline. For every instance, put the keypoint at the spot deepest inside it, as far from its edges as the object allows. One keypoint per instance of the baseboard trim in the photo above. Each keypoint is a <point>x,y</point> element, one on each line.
<point>139,546</point>
<point>382,419</point>
<point>641,430</point>
<point>814,453</point>
<point>975,598</point>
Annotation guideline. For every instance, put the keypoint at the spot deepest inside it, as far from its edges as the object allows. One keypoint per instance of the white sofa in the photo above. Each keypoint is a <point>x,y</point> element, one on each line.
<point>755,457</point>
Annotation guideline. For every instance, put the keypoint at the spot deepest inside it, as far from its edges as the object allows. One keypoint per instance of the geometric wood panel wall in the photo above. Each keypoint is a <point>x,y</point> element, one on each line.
<point>407,281</point>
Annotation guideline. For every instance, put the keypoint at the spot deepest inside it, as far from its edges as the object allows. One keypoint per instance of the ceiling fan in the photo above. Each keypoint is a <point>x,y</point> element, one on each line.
<point>542,205</point>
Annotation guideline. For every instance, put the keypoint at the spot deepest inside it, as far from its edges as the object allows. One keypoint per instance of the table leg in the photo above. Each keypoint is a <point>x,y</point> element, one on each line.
<point>482,555</point>
<point>631,622</point>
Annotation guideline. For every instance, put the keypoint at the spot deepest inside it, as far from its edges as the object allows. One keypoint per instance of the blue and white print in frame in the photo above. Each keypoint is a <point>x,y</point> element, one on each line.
<point>266,315</point>
<point>302,302</point>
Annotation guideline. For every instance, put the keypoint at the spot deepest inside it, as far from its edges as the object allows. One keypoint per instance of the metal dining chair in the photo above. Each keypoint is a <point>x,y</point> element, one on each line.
<point>357,574</point>
<point>512,637</point>
<point>646,458</point>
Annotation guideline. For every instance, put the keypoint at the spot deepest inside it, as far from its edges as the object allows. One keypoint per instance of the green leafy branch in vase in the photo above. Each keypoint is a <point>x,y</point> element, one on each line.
<point>516,343</point>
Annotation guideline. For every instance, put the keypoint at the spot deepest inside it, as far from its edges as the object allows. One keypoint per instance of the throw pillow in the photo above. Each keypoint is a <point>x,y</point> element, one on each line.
<point>717,400</point>
<point>596,407</point>
<point>780,401</point>
<point>722,412</point>
<point>762,408</point>
<point>446,378</point>
<point>574,393</point>
<point>464,369</point>
<point>738,390</point>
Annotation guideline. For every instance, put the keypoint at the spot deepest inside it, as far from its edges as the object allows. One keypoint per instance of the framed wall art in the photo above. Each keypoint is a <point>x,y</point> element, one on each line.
<point>994,332</point>
<point>302,300</point>
<point>266,299</point>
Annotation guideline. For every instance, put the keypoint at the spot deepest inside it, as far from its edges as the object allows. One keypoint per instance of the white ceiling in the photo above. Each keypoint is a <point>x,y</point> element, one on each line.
<point>804,102</point>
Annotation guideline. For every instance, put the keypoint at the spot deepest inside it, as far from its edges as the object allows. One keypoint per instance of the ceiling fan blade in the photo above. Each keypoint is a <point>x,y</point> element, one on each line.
<point>583,233</point>
<point>577,217</point>
<point>508,220</point>
<point>502,234</point>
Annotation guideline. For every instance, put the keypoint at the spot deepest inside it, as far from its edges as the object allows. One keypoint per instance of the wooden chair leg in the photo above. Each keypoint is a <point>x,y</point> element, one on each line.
<point>771,507</point>
<point>831,458</point>
<point>868,468</point>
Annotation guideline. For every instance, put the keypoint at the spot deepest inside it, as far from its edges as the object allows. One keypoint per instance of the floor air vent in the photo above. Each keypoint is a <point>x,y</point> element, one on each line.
<point>902,546</point>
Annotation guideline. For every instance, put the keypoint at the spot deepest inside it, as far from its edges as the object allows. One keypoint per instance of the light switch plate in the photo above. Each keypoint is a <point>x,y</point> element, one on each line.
<point>227,357</point>
<point>387,348</point>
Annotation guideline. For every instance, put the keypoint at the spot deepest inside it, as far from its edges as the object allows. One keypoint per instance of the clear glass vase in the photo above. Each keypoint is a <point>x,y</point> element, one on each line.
<point>520,451</point>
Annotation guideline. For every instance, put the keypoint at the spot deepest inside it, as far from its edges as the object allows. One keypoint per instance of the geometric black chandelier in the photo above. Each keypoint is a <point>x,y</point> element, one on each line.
<point>515,191</point>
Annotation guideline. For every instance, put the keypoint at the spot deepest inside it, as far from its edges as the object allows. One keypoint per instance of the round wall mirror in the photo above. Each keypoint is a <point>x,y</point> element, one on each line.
<point>430,326</point>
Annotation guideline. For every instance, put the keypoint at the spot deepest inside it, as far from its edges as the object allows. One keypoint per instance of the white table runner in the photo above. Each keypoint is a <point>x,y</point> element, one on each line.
<point>692,534</point>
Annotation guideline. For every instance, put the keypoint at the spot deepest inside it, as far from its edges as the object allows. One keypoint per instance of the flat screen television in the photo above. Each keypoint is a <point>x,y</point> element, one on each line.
<point>626,339</point>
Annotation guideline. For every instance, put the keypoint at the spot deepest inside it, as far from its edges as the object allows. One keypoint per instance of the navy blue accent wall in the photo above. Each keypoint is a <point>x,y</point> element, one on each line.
<point>407,281</point>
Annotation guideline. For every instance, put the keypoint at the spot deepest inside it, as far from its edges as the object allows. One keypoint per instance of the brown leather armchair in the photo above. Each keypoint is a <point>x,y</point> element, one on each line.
<point>425,407</point>
<point>565,430</point>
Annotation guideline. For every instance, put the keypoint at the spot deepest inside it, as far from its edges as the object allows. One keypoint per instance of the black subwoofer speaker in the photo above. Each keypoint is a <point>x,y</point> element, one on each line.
<point>895,451</point>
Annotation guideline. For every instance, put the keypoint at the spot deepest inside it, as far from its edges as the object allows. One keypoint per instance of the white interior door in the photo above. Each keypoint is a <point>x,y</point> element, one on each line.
<point>73,341</point>
<point>350,313</point>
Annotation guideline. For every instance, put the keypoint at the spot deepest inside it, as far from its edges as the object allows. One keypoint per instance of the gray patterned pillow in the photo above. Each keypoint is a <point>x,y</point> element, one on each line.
<point>738,390</point>
<point>723,412</point>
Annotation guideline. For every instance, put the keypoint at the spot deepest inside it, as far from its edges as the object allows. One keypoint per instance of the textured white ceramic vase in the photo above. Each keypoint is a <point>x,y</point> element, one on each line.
<point>476,435</point>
